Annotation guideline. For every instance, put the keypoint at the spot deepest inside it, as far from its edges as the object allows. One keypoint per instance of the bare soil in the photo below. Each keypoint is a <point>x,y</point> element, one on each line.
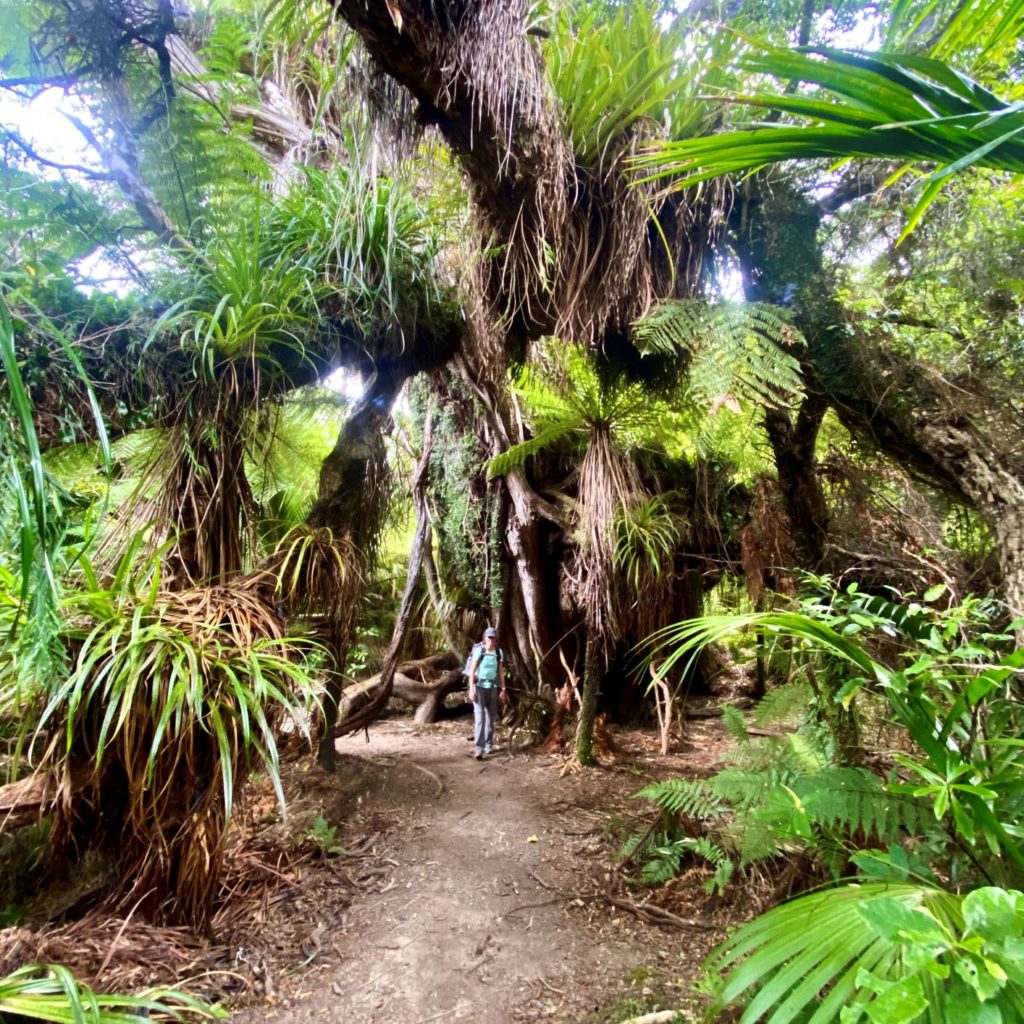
<point>469,890</point>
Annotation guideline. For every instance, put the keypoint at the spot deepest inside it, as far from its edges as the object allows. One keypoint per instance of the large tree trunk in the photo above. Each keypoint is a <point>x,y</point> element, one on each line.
<point>793,442</point>
<point>996,492</point>
<point>593,673</point>
<point>889,402</point>
<point>349,504</point>
<point>376,703</point>
<point>524,539</point>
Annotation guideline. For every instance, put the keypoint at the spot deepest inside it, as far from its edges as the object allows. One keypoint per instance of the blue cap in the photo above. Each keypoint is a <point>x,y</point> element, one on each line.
<point>490,631</point>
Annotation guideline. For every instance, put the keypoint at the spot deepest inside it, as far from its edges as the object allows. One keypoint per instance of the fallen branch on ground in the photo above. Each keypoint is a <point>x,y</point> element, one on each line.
<point>658,915</point>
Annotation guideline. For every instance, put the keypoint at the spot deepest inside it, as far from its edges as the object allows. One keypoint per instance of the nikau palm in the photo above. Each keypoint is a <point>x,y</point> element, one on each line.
<point>902,108</point>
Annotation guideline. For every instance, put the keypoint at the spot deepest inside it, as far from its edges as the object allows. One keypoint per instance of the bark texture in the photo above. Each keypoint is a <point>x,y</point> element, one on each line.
<point>375,704</point>
<point>953,438</point>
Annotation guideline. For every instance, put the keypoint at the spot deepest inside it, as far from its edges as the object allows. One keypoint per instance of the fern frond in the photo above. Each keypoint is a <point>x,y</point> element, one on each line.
<point>742,788</point>
<point>784,704</point>
<point>758,839</point>
<point>664,863</point>
<point>516,456</point>
<point>737,350</point>
<point>734,722</point>
<point>855,800</point>
<point>225,49</point>
<point>808,752</point>
<point>639,845</point>
<point>710,851</point>
<point>689,797</point>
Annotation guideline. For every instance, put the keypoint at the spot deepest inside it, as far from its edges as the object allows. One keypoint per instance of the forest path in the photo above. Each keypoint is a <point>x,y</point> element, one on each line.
<point>492,911</point>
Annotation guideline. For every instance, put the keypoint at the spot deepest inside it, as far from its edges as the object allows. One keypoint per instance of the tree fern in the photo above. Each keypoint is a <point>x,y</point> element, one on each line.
<point>737,350</point>
<point>565,396</point>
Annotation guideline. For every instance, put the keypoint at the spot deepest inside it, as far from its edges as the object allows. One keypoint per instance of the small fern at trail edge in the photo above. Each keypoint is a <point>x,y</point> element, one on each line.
<point>780,795</point>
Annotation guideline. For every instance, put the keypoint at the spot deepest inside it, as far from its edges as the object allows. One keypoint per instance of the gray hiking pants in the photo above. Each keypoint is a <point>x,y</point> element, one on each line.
<point>485,711</point>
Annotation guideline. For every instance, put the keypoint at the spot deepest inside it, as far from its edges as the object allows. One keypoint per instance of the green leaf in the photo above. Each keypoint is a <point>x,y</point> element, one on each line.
<point>900,1003</point>
<point>962,1004</point>
<point>894,920</point>
<point>995,914</point>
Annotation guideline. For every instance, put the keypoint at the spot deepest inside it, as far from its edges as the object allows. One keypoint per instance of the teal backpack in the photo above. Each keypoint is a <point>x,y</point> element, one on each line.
<point>476,649</point>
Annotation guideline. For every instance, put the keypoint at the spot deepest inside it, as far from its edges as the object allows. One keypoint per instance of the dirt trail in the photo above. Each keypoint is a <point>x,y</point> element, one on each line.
<point>491,912</point>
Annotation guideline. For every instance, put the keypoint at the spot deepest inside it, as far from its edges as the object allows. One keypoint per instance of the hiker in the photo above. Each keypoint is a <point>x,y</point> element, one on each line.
<point>486,688</point>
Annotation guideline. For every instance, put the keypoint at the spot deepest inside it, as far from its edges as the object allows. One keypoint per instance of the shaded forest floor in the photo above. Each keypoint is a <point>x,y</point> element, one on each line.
<point>486,893</point>
<point>415,884</point>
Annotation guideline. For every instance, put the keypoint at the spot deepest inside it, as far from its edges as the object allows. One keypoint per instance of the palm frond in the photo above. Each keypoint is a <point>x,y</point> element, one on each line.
<point>897,107</point>
<point>686,639</point>
<point>973,35</point>
<point>880,950</point>
<point>647,536</point>
<point>314,570</point>
<point>173,694</point>
<point>611,71</point>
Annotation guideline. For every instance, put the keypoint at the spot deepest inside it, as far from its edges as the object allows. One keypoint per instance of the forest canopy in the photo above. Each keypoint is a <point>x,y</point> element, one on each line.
<point>584,320</point>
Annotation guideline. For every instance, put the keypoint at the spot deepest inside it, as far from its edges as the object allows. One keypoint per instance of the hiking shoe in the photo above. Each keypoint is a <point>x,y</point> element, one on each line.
<point>478,756</point>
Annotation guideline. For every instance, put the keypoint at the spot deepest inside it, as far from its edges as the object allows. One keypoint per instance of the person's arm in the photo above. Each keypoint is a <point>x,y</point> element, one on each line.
<point>502,692</point>
<point>472,679</point>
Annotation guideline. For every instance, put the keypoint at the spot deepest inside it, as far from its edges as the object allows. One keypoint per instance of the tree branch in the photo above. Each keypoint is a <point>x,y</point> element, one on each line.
<point>370,711</point>
<point>905,320</point>
<point>33,154</point>
<point>861,182</point>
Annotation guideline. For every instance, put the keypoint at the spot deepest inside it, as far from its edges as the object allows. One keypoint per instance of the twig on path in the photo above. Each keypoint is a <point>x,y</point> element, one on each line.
<point>480,963</point>
<point>437,1016</point>
<point>540,881</point>
<point>427,771</point>
<point>659,1017</point>
<point>547,903</point>
<point>658,915</point>
<point>550,988</point>
<point>359,988</point>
